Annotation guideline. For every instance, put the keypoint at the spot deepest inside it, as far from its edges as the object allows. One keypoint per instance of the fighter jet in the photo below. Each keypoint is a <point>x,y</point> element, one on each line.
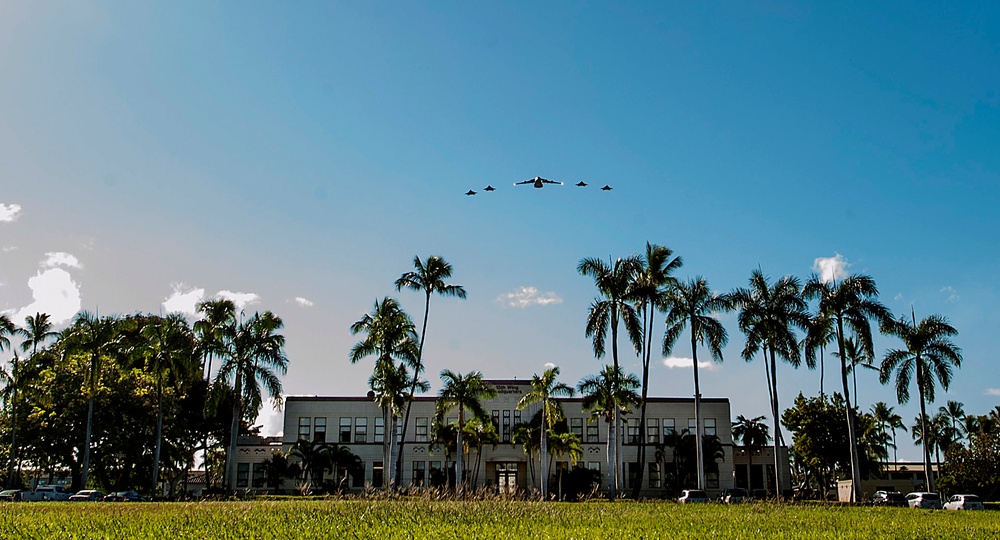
<point>581,184</point>
<point>470,192</point>
<point>537,182</point>
<point>606,188</point>
<point>489,188</point>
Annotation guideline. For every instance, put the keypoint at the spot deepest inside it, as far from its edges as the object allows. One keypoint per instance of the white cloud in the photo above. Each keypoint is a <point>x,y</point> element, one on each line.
<point>528,296</point>
<point>241,299</point>
<point>993,391</point>
<point>9,212</point>
<point>899,297</point>
<point>831,268</point>
<point>58,258</point>
<point>181,301</point>
<point>952,294</point>
<point>8,249</point>
<point>674,362</point>
<point>549,365</point>
<point>55,293</point>
<point>304,302</point>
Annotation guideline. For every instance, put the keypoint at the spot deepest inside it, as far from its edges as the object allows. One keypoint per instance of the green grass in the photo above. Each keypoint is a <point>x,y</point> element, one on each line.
<point>491,520</point>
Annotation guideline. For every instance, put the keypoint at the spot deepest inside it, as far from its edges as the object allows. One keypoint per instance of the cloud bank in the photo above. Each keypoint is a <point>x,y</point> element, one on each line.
<point>241,299</point>
<point>53,290</point>
<point>528,296</point>
<point>9,212</point>
<point>183,300</point>
<point>304,302</point>
<point>831,268</point>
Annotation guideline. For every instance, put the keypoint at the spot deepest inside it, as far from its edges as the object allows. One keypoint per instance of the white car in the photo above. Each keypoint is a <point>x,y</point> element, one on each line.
<point>923,499</point>
<point>693,496</point>
<point>964,502</point>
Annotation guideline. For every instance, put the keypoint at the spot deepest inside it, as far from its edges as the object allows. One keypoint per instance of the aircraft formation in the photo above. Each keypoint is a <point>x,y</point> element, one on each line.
<point>538,182</point>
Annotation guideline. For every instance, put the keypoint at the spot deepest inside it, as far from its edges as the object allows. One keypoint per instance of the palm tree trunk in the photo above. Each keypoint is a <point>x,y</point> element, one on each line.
<point>641,451</point>
<point>544,444</point>
<point>778,486</point>
<point>923,427</point>
<point>234,432</point>
<point>13,429</point>
<point>86,442</point>
<point>204,459</point>
<point>851,435</point>
<point>159,434</point>
<point>699,457</point>
<point>413,388</point>
<point>613,457</point>
<point>749,468</point>
<point>822,370</point>
<point>390,464</point>
<point>458,450</point>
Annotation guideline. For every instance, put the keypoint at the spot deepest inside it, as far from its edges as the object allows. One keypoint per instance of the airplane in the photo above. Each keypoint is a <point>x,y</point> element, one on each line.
<point>606,188</point>
<point>537,182</point>
<point>470,192</point>
<point>489,188</point>
<point>581,184</point>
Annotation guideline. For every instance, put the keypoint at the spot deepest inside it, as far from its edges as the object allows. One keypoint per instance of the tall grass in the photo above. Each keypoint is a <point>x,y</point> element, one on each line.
<point>490,519</point>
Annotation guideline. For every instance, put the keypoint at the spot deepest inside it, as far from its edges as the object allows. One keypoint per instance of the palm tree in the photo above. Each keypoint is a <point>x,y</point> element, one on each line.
<point>253,355</point>
<point>37,330</point>
<point>692,304</point>
<point>217,315</point>
<point>465,392</point>
<point>754,434</point>
<point>614,282</point>
<point>954,411</point>
<point>850,304</point>
<point>929,354</point>
<point>390,383</point>
<point>428,277</point>
<point>819,335</point>
<point>606,395</point>
<point>887,420</point>
<point>95,337</point>
<point>544,390</point>
<point>767,315</point>
<point>649,291</point>
<point>564,444</point>
<point>7,330</point>
<point>168,351</point>
<point>856,358</point>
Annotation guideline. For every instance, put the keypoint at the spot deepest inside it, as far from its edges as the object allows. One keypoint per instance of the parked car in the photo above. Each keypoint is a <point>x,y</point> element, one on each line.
<point>10,495</point>
<point>693,496</point>
<point>734,496</point>
<point>47,493</point>
<point>87,495</point>
<point>923,499</point>
<point>964,502</point>
<point>887,498</point>
<point>123,496</point>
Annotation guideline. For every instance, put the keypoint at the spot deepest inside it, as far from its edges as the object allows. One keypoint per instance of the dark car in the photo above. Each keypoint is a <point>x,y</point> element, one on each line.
<point>11,495</point>
<point>887,498</point>
<point>123,496</point>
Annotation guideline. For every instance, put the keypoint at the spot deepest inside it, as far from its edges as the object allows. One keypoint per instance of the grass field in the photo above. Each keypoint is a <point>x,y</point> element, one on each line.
<point>488,520</point>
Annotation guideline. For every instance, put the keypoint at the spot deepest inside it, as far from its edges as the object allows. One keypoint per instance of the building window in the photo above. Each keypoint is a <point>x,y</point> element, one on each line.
<point>495,416</point>
<point>399,432</point>
<point>242,474</point>
<point>360,430</point>
<point>345,429</point>
<point>357,476</point>
<point>712,479</point>
<point>632,432</point>
<point>576,427</point>
<point>304,424</point>
<point>438,475</point>
<point>593,432</point>
<point>422,429</point>
<point>379,436</point>
<point>692,426</point>
<point>654,475</point>
<point>653,430</point>
<point>633,471</point>
<point>319,429</point>
<point>378,474</point>
<point>668,428</point>
<point>505,433</point>
<point>419,473</point>
<point>594,466</point>
<point>517,417</point>
<point>710,426</point>
<point>259,478</point>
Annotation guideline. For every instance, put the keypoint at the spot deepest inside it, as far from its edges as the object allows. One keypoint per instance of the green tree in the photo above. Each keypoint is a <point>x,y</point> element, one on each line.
<point>465,392</point>
<point>767,315</point>
<point>691,305</point>
<point>428,277</point>
<point>216,316</point>
<point>928,356</point>
<point>954,411</point>
<point>543,391</point>
<point>390,384</point>
<point>753,433</point>
<point>888,421</point>
<point>37,330</point>
<point>819,335</point>
<point>607,395</point>
<point>649,291</point>
<point>614,281</point>
<point>253,355</point>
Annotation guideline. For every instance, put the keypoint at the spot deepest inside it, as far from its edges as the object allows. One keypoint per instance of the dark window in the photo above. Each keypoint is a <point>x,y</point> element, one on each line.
<point>345,429</point>
<point>242,474</point>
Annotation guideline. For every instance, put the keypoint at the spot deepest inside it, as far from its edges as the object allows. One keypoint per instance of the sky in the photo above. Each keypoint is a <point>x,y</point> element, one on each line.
<point>296,157</point>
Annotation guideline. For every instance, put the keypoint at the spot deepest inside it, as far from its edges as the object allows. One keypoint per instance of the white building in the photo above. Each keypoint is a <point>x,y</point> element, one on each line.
<point>357,423</point>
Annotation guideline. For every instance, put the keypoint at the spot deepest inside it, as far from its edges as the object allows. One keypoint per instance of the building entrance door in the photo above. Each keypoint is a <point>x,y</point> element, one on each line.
<point>507,477</point>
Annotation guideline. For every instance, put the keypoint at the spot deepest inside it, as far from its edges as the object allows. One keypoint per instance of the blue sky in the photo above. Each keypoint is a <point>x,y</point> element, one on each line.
<point>297,157</point>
